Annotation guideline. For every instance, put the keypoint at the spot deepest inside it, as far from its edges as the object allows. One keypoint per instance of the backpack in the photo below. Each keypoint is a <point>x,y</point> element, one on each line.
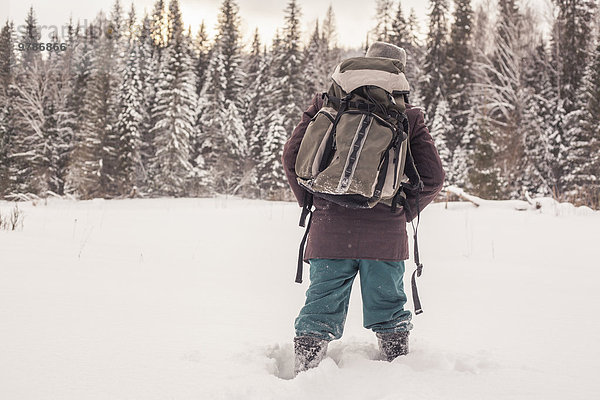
<point>355,149</point>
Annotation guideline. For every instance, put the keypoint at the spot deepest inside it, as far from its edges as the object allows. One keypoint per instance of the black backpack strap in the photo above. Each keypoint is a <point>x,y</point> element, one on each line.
<point>306,208</point>
<point>301,252</point>
<point>415,186</point>
<point>419,270</point>
<point>306,211</point>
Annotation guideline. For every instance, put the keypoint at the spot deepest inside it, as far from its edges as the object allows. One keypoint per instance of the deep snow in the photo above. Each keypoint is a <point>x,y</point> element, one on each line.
<point>194,299</point>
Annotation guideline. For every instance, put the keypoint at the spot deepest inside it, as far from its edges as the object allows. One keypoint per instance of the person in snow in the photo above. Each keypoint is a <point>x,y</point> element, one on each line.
<point>373,242</point>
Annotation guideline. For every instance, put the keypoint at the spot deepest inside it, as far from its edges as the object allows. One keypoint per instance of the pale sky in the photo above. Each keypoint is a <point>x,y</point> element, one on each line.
<point>354,17</point>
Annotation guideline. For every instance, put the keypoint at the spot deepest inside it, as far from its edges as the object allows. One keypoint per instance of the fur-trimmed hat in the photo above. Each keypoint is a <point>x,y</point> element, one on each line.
<point>387,50</point>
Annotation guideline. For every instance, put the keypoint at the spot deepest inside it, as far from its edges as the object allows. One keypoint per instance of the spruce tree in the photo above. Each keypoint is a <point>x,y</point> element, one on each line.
<point>94,168</point>
<point>227,58</point>
<point>112,48</point>
<point>538,175</point>
<point>384,30</point>
<point>460,61</point>
<point>254,61</point>
<point>591,124</point>
<point>158,27</point>
<point>174,112</point>
<point>574,27</point>
<point>405,34</point>
<point>414,58</point>
<point>441,129</point>
<point>478,119</point>
<point>61,117</point>
<point>7,56</point>
<point>400,33</point>
<point>223,137</point>
<point>129,122</point>
<point>86,172</point>
<point>329,31</point>
<point>256,109</point>
<point>288,70</point>
<point>272,176</point>
<point>131,26</point>
<point>78,171</point>
<point>202,56</point>
<point>572,45</point>
<point>7,72</point>
<point>459,93</point>
<point>29,36</point>
<point>314,62</point>
<point>435,63</point>
<point>485,176</point>
<point>149,75</point>
<point>582,180</point>
<point>288,101</point>
<point>256,97</point>
<point>34,148</point>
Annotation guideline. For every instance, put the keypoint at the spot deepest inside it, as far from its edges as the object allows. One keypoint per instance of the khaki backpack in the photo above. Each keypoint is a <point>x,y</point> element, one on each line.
<point>355,148</point>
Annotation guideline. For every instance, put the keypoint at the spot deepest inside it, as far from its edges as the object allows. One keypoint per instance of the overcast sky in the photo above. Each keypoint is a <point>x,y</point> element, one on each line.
<point>354,17</point>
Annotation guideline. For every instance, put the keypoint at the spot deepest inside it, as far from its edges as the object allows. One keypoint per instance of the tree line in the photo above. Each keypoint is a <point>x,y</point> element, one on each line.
<point>513,108</point>
<point>138,106</point>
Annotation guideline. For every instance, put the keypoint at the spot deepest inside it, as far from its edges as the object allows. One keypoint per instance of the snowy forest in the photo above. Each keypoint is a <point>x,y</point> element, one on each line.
<point>139,106</point>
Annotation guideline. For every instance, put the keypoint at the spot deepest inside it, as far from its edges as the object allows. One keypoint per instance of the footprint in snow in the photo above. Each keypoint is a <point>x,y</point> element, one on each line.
<point>343,354</point>
<point>346,354</point>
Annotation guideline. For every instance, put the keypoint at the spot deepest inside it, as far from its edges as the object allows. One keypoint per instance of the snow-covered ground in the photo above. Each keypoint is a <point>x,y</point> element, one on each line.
<point>195,299</point>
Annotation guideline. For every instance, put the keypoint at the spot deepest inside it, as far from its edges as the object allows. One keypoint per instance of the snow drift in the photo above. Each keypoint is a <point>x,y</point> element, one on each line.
<point>194,299</point>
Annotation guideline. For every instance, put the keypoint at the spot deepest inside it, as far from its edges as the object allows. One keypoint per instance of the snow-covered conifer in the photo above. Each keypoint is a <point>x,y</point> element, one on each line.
<point>442,130</point>
<point>272,176</point>
<point>174,112</point>
<point>414,58</point>
<point>202,56</point>
<point>29,36</point>
<point>158,26</point>
<point>572,46</point>
<point>7,72</point>
<point>400,35</point>
<point>582,179</point>
<point>85,167</point>
<point>384,30</point>
<point>129,121</point>
<point>433,80</point>
<point>485,176</point>
<point>288,70</point>
<point>34,151</point>
<point>315,62</point>
<point>538,176</point>
<point>329,30</point>
<point>460,67</point>
<point>459,91</point>
<point>256,98</point>
<point>223,137</point>
<point>259,107</point>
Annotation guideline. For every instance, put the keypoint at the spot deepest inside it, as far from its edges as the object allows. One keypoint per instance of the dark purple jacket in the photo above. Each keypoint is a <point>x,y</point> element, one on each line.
<point>375,233</point>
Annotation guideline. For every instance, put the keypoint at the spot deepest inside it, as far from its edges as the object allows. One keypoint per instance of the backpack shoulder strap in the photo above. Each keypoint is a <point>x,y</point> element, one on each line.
<point>414,186</point>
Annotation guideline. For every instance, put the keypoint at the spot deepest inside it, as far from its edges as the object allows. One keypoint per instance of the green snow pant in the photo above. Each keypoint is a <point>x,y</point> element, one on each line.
<point>327,298</point>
